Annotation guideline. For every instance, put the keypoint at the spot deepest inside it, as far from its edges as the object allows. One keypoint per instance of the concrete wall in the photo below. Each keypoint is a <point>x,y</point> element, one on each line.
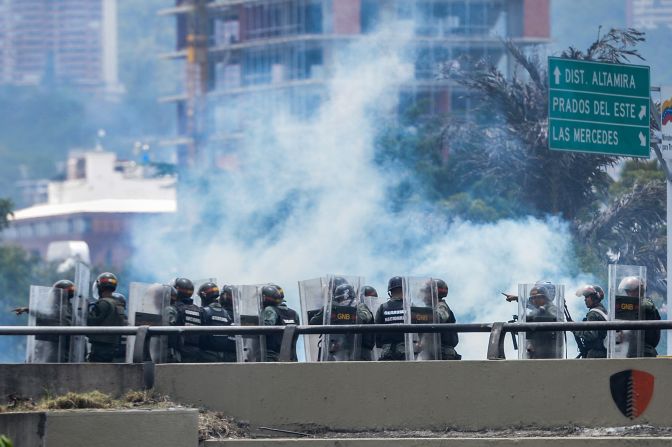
<point>446,442</point>
<point>24,428</point>
<point>467,395</point>
<point>103,428</point>
<point>146,428</point>
<point>38,380</point>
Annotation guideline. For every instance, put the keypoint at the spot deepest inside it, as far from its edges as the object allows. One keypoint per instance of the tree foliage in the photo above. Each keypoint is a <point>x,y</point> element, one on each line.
<point>6,207</point>
<point>506,155</point>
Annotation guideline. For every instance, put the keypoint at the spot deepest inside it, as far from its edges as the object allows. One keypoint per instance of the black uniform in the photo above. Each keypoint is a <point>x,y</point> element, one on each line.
<point>391,344</point>
<point>188,345</point>
<point>651,336</point>
<point>218,347</point>
<point>449,339</point>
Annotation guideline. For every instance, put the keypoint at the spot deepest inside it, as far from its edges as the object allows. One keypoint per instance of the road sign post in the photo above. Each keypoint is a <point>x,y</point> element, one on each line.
<point>598,108</point>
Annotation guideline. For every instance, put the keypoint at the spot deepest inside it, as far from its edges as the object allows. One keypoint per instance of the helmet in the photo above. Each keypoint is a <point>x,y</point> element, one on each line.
<point>369,291</point>
<point>67,285</point>
<point>337,281</point>
<point>226,297</point>
<point>538,292</point>
<point>588,291</point>
<point>120,298</point>
<point>547,288</point>
<point>280,290</point>
<point>106,281</point>
<point>344,292</point>
<point>441,287</point>
<point>630,283</point>
<point>184,287</point>
<point>270,295</point>
<point>394,283</point>
<point>208,292</point>
<point>600,291</point>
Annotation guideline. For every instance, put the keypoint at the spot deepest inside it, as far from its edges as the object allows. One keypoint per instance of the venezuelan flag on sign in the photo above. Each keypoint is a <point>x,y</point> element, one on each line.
<point>667,111</point>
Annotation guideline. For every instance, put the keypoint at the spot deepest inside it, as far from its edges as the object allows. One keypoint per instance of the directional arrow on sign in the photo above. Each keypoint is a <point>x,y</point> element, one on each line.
<point>597,107</point>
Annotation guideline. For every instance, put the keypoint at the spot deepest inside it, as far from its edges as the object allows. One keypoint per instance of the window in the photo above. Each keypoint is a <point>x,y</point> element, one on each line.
<point>369,15</point>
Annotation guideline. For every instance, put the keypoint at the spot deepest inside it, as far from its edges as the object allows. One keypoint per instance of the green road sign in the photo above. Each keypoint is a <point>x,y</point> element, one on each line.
<point>598,107</point>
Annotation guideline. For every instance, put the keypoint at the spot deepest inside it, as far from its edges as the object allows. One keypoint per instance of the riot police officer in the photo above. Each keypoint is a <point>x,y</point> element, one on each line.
<point>216,347</point>
<point>347,346</point>
<point>449,339</point>
<point>591,342</point>
<point>391,312</point>
<point>540,308</point>
<point>634,286</point>
<point>186,347</point>
<point>64,284</point>
<point>276,313</point>
<point>53,348</point>
<point>106,311</point>
<point>120,353</point>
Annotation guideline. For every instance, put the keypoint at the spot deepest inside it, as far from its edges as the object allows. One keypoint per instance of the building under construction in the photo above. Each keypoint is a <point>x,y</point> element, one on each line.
<point>243,55</point>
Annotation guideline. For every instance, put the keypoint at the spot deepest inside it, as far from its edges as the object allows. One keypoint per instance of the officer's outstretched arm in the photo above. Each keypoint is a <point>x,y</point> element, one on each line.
<point>19,310</point>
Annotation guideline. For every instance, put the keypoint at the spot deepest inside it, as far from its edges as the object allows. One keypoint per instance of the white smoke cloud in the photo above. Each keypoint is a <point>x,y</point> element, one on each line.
<point>308,199</point>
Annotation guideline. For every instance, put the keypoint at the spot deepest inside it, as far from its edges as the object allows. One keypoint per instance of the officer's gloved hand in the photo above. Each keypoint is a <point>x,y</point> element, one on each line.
<point>20,310</point>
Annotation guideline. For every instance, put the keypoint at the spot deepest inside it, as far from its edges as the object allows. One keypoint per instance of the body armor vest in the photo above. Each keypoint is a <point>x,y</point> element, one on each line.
<point>392,313</point>
<point>216,315</point>
<point>189,314</point>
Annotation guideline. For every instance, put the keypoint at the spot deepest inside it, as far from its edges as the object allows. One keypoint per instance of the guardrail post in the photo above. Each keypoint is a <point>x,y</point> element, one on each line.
<point>289,337</point>
<point>142,354</point>
<point>496,343</point>
<point>148,374</point>
<point>141,347</point>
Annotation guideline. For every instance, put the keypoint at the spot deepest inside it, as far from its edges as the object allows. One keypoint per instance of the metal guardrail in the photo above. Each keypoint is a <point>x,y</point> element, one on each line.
<point>290,333</point>
<point>497,330</point>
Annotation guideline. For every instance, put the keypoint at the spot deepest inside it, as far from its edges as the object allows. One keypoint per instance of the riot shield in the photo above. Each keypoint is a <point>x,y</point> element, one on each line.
<point>420,299</point>
<point>148,306</point>
<point>627,289</point>
<point>312,295</point>
<point>343,305</point>
<point>372,301</point>
<point>542,302</point>
<point>80,306</point>
<point>47,306</point>
<point>247,308</point>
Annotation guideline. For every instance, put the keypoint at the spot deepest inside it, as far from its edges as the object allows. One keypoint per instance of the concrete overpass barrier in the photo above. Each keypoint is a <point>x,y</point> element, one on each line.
<point>102,428</point>
<point>465,395</point>
<point>448,442</point>
<point>35,380</point>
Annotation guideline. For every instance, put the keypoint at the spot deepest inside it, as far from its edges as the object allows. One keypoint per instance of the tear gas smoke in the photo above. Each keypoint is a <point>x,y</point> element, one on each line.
<point>306,199</point>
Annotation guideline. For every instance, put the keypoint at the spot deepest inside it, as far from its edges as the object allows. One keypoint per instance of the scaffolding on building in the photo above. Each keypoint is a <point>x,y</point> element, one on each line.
<point>242,54</point>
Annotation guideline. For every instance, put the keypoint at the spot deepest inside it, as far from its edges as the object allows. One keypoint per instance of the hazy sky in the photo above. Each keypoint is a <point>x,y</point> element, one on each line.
<point>569,28</point>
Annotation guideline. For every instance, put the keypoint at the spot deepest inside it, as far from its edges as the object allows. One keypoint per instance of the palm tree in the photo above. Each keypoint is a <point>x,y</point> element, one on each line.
<point>511,154</point>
